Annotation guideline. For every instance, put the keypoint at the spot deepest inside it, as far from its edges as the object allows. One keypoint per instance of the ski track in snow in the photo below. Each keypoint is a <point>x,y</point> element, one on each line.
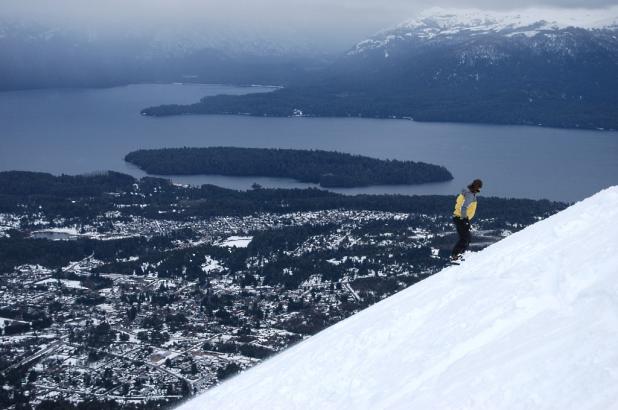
<point>529,322</point>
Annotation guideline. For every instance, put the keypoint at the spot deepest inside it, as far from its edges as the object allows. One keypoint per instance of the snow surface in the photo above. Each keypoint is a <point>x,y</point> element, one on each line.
<point>211,265</point>
<point>530,322</point>
<point>67,230</point>
<point>236,242</point>
<point>75,284</point>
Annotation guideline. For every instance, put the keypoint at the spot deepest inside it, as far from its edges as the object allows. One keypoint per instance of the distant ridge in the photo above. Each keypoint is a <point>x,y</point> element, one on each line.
<point>447,24</point>
<point>529,322</point>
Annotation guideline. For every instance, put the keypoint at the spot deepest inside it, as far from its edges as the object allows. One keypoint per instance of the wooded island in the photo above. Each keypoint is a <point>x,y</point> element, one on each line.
<point>326,168</point>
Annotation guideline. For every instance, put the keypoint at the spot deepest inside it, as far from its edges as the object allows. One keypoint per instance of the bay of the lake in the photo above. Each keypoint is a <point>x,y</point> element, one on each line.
<point>77,131</point>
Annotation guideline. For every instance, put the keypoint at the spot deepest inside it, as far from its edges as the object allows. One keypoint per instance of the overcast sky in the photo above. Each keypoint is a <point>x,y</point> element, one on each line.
<point>334,22</point>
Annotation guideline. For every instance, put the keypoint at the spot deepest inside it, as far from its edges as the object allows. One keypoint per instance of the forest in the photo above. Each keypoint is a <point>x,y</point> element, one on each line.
<point>82,199</point>
<point>326,168</point>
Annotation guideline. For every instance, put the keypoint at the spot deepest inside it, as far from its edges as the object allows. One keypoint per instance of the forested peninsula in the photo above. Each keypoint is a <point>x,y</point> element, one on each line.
<point>326,168</point>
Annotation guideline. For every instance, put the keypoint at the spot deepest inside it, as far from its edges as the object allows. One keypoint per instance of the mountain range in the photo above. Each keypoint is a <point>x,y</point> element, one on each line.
<point>37,55</point>
<point>538,67</point>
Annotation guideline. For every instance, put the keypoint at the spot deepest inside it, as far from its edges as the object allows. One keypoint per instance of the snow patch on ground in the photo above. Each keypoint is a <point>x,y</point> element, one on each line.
<point>235,242</point>
<point>211,265</point>
<point>66,230</point>
<point>74,284</point>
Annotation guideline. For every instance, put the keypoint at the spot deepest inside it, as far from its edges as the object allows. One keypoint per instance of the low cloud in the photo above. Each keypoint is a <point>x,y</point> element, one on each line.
<point>331,23</point>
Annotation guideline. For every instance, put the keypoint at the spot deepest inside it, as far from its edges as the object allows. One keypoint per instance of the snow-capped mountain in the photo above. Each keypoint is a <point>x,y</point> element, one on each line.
<point>541,25</point>
<point>548,67</point>
<point>529,322</point>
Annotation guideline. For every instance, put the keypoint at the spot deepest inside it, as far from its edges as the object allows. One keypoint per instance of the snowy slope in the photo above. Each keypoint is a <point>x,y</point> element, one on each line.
<point>528,323</point>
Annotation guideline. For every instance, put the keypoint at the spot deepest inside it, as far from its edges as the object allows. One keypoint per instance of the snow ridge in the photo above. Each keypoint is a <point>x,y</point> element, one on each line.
<point>482,20</point>
<point>436,23</point>
<point>529,322</point>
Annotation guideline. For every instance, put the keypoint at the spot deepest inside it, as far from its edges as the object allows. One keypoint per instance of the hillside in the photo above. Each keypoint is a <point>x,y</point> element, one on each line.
<point>529,322</point>
<point>535,67</point>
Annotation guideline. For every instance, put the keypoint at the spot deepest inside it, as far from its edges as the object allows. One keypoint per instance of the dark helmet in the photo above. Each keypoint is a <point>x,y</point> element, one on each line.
<point>476,185</point>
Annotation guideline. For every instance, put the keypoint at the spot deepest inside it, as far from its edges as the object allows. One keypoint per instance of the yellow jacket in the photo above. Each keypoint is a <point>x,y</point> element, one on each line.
<point>465,204</point>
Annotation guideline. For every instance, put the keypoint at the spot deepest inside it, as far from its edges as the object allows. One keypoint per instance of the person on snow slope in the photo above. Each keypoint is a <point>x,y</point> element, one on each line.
<point>465,208</point>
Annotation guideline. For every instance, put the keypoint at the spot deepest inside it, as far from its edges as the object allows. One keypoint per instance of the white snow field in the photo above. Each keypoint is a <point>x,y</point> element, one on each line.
<point>530,322</point>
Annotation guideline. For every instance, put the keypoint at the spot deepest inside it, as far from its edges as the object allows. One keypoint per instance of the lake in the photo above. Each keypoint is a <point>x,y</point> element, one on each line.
<point>84,130</point>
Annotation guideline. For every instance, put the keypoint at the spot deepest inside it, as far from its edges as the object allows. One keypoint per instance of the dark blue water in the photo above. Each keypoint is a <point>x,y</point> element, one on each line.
<point>78,131</point>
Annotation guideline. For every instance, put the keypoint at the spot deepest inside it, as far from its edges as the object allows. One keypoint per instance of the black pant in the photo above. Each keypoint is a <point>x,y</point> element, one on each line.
<point>463,229</point>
